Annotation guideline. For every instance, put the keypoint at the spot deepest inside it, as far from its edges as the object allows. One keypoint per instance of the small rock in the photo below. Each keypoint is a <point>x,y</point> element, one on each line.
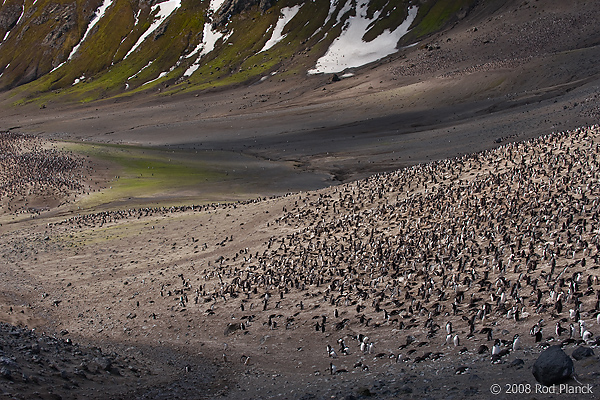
<point>582,352</point>
<point>231,328</point>
<point>5,373</point>
<point>483,349</point>
<point>461,370</point>
<point>553,366</point>
<point>6,361</point>
<point>518,363</point>
<point>471,391</point>
<point>103,363</point>
<point>405,390</point>
<point>80,373</point>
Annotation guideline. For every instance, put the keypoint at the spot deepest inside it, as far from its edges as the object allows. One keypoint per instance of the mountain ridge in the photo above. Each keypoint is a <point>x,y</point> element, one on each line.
<point>88,50</point>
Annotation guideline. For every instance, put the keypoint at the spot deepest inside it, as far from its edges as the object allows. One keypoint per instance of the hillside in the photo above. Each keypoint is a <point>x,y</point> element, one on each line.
<point>345,291</point>
<point>264,228</point>
<point>87,50</point>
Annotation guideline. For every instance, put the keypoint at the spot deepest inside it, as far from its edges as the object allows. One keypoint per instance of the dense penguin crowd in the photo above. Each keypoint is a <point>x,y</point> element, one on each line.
<point>29,169</point>
<point>507,236</point>
<point>491,256</point>
<point>486,254</point>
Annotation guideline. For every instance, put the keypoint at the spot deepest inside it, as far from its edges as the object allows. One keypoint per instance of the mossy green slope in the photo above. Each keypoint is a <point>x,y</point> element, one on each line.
<point>50,29</point>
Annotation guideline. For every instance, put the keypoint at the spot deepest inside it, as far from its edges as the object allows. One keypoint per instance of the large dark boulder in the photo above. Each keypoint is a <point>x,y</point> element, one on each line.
<point>582,352</point>
<point>553,366</point>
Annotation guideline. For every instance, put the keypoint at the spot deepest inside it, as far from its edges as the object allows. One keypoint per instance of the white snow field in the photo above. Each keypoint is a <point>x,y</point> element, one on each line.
<point>287,14</point>
<point>97,17</point>
<point>164,10</point>
<point>350,50</point>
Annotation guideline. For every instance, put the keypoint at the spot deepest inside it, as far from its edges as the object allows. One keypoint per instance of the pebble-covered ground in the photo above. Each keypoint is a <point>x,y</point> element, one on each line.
<point>399,284</point>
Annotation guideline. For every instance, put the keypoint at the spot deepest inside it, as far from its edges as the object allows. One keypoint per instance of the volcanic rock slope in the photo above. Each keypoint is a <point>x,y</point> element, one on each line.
<point>97,48</point>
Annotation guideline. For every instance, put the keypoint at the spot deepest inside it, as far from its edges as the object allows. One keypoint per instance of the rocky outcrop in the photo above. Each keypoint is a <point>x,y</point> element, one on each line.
<point>65,17</point>
<point>233,7</point>
<point>9,17</point>
<point>582,352</point>
<point>553,366</point>
<point>32,363</point>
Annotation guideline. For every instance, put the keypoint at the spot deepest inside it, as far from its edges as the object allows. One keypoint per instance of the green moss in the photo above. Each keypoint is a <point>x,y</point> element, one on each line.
<point>100,58</point>
<point>434,15</point>
<point>146,172</point>
<point>109,75</point>
<point>392,15</point>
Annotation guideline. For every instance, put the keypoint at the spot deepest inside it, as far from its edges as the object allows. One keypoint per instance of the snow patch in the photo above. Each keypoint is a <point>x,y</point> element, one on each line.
<point>5,68</point>
<point>161,75</point>
<point>164,10</point>
<point>17,24</point>
<point>191,70</point>
<point>215,5</point>
<point>137,73</point>
<point>348,7</point>
<point>287,14</point>
<point>97,17</point>
<point>332,6</point>
<point>209,40</point>
<point>20,16</point>
<point>77,80</point>
<point>350,50</point>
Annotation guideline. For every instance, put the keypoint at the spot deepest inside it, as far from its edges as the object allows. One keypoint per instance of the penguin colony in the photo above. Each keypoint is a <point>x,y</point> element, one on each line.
<point>489,253</point>
<point>507,237</point>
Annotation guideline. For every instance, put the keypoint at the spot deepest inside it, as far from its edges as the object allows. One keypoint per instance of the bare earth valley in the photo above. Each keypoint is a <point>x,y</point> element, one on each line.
<point>314,238</point>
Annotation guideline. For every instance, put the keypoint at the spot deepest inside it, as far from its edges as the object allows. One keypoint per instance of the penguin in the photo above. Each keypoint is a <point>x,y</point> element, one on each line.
<point>536,328</point>
<point>558,305</point>
<point>456,341</point>
<point>496,347</point>
<point>581,327</point>
<point>559,329</point>
<point>510,313</point>
<point>343,348</point>
<point>587,337</point>
<point>571,331</point>
<point>516,344</point>
<point>448,327</point>
<point>538,336</point>
<point>448,339</point>
<point>331,352</point>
